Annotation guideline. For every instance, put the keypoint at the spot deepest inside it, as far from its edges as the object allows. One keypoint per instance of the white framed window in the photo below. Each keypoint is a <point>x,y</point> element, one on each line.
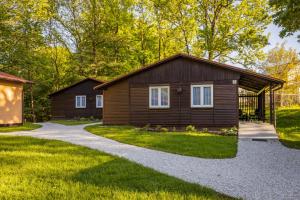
<point>99,101</point>
<point>80,101</point>
<point>202,96</point>
<point>159,96</point>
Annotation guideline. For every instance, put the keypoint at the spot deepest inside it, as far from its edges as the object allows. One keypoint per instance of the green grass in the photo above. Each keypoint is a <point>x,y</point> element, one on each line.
<point>73,122</point>
<point>191,144</point>
<point>25,127</point>
<point>47,169</point>
<point>288,126</point>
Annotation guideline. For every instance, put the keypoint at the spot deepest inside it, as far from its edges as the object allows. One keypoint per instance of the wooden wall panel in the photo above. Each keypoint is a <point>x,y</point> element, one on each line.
<point>116,104</point>
<point>63,103</point>
<point>179,73</point>
<point>11,103</point>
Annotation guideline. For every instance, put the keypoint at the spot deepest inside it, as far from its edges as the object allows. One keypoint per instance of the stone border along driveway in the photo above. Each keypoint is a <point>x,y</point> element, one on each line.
<point>261,170</point>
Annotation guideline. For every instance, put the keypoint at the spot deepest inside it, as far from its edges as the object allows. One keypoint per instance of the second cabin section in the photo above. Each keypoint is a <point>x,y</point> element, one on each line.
<point>179,91</point>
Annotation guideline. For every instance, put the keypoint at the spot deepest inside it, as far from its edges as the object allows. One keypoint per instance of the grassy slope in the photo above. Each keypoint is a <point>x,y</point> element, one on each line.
<point>197,144</point>
<point>26,127</point>
<point>288,126</point>
<point>46,169</point>
<point>73,122</point>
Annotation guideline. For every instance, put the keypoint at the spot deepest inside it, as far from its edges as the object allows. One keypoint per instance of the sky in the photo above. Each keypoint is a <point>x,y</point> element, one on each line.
<point>291,41</point>
<point>274,38</point>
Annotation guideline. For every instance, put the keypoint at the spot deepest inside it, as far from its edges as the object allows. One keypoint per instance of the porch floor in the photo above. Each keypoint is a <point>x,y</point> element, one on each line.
<point>257,130</point>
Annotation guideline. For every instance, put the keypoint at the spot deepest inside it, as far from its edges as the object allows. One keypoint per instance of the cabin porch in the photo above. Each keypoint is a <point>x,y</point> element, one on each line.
<point>256,99</point>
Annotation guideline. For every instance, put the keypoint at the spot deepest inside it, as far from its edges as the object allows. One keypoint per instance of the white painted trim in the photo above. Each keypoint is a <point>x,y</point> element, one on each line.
<point>81,106</point>
<point>101,98</point>
<point>202,96</point>
<point>159,96</point>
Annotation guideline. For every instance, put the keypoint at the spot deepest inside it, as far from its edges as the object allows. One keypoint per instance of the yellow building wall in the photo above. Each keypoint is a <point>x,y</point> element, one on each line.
<point>11,102</point>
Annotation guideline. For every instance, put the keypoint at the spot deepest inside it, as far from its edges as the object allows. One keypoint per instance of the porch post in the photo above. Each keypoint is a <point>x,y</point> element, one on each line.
<point>271,106</point>
<point>261,106</point>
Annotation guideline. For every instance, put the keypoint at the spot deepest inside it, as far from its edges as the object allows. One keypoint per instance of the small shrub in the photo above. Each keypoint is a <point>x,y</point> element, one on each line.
<point>92,118</point>
<point>158,127</point>
<point>146,127</point>
<point>229,131</point>
<point>205,130</point>
<point>164,129</point>
<point>82,119</point>
<point>191,128</point>
<point>174,129</point>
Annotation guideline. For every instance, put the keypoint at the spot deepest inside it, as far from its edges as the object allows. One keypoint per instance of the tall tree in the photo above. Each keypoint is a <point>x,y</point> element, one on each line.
<point>232,30</point>
<point>286,15</point>
<point>284,64</point>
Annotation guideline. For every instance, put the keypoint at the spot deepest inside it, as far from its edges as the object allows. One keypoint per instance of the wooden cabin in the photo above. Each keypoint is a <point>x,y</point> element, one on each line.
<point>11,99</point>
<point>184,90</point>
<point>79,100</point>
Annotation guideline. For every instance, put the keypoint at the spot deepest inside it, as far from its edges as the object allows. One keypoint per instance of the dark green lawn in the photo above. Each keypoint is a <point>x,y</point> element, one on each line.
<point>25,127</point>
<point>191,144</point>
<point>73,122</point>
<point>46,169</point>
<point>288,126</point>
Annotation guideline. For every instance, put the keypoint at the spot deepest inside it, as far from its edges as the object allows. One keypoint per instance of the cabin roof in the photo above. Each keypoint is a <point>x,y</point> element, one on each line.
<point>75,84</point>
<point>9,77</point>
<point>249,79</point>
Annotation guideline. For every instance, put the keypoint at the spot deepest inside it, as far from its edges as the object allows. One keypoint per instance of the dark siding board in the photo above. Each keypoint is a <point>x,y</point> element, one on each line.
<point>63,103</point>
<point>180,112</point>
<point>116,104</point>
<point>182,71</point>
<point>179,73</point>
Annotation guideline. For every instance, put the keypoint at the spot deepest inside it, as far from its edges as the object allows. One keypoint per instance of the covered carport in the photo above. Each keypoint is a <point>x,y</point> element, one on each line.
<point>253,106</point>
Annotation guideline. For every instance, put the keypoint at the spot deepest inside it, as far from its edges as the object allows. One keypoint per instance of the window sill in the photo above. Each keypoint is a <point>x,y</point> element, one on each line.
<point>199,107</point>
<point>158,108</point>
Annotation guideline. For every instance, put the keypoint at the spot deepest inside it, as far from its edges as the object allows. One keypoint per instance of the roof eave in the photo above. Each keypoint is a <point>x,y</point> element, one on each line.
<point>65,88</point>
<point>225,66</point>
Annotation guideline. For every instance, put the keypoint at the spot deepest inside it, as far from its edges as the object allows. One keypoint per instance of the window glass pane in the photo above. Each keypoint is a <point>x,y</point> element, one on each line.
<point>207,95</point>
<point>97,101</point>
<point>78,102</point>
<point>164,96</point>
<point>154,96</point>
<point>83,102</point>
<point>100,101</point>
<point>196,95</point>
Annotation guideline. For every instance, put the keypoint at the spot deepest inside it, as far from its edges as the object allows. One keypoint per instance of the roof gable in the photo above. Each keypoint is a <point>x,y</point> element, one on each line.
<point>196,59</point>
<point>76,84</point>
<point>9,77</point>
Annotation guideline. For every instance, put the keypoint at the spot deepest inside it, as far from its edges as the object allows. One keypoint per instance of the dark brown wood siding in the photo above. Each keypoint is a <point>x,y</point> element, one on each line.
<point>179,73</point>
<point>116,104</point>
<point>63,103</point>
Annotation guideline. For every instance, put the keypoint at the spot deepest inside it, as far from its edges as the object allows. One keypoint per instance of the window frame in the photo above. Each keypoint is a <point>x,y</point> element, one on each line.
<point>80,96</point>
<point>101,106</point>
<point>202,86</point>
<point>159,106</point>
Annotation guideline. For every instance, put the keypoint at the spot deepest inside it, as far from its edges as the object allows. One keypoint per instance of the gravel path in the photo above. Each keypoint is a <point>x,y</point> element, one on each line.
<point>261,170</point>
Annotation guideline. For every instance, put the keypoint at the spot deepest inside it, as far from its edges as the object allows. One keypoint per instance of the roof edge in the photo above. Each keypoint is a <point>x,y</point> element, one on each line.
<point>194,58</point>
<point>13,78</point>
<point>72,85</point>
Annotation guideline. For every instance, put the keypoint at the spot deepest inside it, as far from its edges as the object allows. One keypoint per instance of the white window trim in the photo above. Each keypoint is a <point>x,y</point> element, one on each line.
<point>102,101</point>
<point>202,96</point>
<point>81,99</point>
<point>159,97</point>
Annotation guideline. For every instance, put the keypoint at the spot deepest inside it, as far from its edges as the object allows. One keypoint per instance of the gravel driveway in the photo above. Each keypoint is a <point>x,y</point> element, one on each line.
<point>261,170</point>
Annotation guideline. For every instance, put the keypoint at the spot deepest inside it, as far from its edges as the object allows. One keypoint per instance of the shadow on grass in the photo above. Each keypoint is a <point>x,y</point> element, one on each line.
<point>121,175</point>
<point>290,143</point>
<point>47,169</point>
